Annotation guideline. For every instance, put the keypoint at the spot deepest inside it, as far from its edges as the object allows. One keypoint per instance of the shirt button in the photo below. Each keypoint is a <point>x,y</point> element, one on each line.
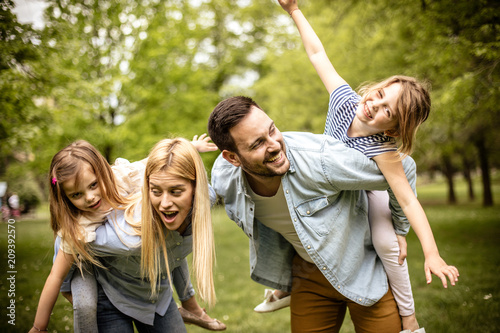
<point>251,209</point>
<point>308,212</point>
<point>295,220</point>
<point>360,299</point>
<point>308,246</point>
<point>338,286</point>
<point>178,243</point>
<point>324,268</point>
<point>178,259</point>
<point>286,191</point>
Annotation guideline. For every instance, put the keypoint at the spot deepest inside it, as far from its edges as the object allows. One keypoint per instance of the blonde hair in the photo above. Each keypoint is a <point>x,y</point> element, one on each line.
<point>69,164</point>
<point>179,158</point>
<point>413,107</point>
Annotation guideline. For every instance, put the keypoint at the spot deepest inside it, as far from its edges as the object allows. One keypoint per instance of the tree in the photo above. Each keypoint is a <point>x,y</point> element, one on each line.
<point>19,82</point>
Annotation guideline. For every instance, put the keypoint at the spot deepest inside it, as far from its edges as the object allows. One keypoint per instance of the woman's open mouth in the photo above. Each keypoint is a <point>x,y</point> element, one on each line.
<point>169,217</point>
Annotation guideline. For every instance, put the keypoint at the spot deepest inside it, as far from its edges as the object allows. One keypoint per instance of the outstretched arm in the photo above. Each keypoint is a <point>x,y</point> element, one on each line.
<point>50,291</point>
<point>392,169</point>
<point>313,46</point>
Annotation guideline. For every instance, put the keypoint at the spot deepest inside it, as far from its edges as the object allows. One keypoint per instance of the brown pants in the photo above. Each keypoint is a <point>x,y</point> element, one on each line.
<point>317,307</point>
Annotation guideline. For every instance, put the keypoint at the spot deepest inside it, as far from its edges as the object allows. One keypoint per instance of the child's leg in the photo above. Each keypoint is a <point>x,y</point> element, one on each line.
<point>84,292</point>
<point>386,244</point>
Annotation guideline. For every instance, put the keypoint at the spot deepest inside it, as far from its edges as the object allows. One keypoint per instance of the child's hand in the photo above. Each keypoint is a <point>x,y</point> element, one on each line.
<point>437,266</point>
<point>202,143</point>
<point>289,5</point>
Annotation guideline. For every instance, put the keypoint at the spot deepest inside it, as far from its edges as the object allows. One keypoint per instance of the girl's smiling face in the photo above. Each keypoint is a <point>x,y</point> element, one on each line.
<point>378,111</point>
<point>172,199</point>
<point>85,193</point>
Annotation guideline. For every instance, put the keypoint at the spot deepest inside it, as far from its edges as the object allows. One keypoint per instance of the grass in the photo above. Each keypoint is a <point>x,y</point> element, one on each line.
<point>467,234</point>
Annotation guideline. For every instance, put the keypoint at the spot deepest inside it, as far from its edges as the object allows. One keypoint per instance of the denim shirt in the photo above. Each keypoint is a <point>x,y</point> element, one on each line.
<point>328,208</point>
<point>120,253</point>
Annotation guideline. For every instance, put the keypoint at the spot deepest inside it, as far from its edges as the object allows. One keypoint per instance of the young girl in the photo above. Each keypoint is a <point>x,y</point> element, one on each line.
<point>83,192</point>
<point>392,108</point>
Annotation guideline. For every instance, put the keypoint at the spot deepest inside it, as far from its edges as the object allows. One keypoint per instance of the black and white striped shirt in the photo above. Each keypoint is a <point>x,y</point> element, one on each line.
<point>341,112</point>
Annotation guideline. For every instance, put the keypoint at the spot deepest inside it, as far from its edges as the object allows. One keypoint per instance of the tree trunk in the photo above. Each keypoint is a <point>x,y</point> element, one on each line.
<point>448,172</point>
<point>468,177</point>
<point>485,173</point>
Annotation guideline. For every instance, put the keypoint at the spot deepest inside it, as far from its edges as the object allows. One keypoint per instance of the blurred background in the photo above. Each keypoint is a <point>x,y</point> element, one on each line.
<point>124,74</point>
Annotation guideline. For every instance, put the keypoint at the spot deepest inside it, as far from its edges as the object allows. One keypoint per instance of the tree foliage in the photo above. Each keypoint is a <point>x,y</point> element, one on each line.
<point>124,74</point>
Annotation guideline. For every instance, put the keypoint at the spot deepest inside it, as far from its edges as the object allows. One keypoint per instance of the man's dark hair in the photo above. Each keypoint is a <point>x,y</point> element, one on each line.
<point>225,116</point>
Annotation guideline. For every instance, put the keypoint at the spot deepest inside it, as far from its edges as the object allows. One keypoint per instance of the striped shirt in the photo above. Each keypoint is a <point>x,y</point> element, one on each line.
<point>341,112</point>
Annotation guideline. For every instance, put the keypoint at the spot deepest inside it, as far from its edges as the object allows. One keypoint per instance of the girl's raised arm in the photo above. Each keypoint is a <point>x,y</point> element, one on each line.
<point>392,169</point>
<point>50,291</point>
<point>314,48</point>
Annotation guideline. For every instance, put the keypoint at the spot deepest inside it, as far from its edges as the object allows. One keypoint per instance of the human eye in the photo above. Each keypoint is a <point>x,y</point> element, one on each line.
<point>176,192</point>
<point>94,185</point>
<point>155,192</point>
<point>256,144</point>
<point>75,196</point>
<point>388,112</point>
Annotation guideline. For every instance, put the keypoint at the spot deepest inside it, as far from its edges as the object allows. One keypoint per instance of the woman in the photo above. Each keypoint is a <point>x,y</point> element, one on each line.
<point>134,282</point>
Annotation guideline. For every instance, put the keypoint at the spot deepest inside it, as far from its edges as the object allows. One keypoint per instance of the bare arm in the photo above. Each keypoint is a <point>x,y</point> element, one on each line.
<point>392,169</point>
<point>50,291</point>
<point>314,48</point>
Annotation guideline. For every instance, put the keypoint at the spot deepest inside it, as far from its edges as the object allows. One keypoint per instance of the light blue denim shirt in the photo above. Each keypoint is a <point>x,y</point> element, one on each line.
<point>328,207</point>
<point>120,252</point>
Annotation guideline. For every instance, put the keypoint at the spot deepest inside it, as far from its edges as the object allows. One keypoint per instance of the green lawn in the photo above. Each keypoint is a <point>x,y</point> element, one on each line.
<point>468,237</point>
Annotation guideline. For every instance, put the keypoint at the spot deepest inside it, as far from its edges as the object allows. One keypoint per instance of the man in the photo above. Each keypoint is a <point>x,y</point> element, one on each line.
<point>299,199</point>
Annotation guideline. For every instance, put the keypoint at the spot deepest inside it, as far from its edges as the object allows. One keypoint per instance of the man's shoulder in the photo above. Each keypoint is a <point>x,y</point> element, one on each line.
<point>310,141</point>
<point>223,173</point>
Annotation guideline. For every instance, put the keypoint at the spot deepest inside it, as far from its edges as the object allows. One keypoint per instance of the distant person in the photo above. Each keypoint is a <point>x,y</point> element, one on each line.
<point>14,205</point>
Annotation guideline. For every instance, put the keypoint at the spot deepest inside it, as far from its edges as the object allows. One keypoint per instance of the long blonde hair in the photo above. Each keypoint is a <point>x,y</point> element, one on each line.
<point>68,164</point>
<point>179,158</point>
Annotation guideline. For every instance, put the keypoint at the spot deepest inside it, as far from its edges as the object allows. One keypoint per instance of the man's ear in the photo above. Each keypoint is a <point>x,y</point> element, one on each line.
<point>393,133</point>
<point>231,157</point>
